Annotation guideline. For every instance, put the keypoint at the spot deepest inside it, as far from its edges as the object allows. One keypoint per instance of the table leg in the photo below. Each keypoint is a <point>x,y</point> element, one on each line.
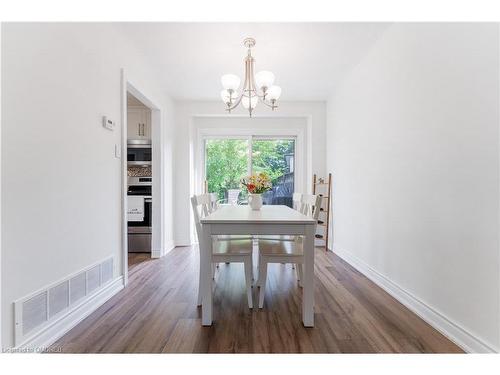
<point>308,278</point>
<point>206,275</point>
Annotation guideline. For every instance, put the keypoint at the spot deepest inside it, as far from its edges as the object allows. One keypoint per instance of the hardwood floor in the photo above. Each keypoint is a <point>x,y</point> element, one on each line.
<point>157,313</point>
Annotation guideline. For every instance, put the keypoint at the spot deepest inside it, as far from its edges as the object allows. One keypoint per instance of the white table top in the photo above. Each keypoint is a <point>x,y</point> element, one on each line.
<point>267,214</point>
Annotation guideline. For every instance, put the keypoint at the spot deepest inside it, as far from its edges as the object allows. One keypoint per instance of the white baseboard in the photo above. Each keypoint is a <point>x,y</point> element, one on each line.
<point>158,253</point>
<point>169,247</point>
<point>75,315</point>
<point>185,244</point>
<point>459,335</point>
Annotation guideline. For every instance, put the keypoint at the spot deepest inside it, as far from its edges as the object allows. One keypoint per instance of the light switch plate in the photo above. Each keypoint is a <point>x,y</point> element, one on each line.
<point>118,153</point>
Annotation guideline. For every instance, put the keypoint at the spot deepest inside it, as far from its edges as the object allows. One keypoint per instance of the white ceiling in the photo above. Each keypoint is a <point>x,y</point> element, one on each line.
<point>308,59</point>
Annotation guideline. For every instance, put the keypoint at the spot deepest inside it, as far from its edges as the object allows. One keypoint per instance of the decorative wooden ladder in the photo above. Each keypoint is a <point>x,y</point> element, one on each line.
<point>324,189</point>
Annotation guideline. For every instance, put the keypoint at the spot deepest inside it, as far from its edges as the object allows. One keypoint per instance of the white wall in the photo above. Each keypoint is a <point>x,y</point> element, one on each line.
<point>413,144</point>
<point>186,129</point>
<point>61,183</point>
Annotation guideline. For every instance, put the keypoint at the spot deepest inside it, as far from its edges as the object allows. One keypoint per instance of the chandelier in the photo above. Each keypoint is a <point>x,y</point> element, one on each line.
<point>258,87</point>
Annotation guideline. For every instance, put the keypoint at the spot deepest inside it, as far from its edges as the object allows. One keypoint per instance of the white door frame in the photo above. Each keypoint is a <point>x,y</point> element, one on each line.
<point>158,214</point>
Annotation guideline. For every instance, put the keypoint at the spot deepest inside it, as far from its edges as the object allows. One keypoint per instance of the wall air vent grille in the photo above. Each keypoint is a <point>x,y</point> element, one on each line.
<point>58,298</point>
<point>93,278</point>
<point>36,311</point>
<point>77,287</point>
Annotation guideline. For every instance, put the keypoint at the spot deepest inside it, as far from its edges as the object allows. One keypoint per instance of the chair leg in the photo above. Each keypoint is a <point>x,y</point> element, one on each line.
<point>199,288</point>
<point>251,268</point>
<point>262,284</point>
<point>260,268</point>
<point>248,280</point>
<point>299,274</point>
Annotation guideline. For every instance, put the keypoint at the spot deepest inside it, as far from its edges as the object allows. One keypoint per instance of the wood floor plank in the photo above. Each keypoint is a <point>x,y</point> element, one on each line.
<point>185,336</point>
<point>157,313</point>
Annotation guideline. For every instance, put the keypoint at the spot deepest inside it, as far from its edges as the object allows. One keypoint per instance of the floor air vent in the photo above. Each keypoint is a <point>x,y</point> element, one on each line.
<point>36,311</point>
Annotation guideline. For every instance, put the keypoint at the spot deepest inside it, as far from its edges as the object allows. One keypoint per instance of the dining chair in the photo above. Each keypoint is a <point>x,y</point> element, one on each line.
<point>233,250</point>
<point>233,195</point>
<point>279,251</point>
<point>296,205</point>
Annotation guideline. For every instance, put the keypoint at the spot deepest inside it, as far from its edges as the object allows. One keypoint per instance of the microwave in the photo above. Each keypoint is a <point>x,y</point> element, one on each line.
<point>139,152</point>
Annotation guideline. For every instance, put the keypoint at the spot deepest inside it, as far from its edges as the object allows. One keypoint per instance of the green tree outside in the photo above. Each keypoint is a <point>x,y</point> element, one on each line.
<point>226,164</point>
<point>227,161</point>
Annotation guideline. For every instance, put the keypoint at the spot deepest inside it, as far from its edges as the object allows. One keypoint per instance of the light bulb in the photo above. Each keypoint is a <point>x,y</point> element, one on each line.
<point>264,79</point>
<point>274,93</point>
<point>226,96</point>
<point>230,82</point>
<point>249,102</point>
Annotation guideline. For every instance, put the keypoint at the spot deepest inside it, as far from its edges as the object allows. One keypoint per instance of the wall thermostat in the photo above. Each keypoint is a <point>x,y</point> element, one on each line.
<point>108,123</point>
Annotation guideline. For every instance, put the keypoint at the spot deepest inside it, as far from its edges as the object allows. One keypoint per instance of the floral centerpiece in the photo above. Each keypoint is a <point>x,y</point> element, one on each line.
<point>256,185</point>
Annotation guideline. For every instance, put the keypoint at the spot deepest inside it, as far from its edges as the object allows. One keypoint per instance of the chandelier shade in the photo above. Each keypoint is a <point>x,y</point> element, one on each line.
<point>250,102</point>
<point>256,87</point>
<point>264,79</point>
<point>230,81</point>
<point>274,93</point>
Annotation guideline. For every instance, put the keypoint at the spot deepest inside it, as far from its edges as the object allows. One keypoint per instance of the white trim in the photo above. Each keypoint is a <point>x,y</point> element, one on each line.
<point>73,316</point>
<point>1,260</point>
<point>456,333</point>
<point>169,247</point>
<point>124,225</point>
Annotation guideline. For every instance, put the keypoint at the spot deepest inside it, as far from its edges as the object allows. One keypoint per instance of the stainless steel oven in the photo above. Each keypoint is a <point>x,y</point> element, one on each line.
<point>139,232</point>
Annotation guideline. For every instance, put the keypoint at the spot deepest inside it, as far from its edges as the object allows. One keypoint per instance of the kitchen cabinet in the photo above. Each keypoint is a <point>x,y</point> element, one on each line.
<point>138,123</point>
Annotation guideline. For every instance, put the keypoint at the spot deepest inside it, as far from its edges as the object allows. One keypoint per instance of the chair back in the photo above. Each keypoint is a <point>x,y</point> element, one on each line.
<point>297,201</point>
<point>232,196</point>
<point>311,205</point>
<point>214,202</point>
<point>200,204</point>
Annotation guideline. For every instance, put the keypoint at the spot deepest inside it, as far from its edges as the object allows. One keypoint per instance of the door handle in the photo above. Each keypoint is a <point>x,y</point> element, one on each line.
<point>139,130</point>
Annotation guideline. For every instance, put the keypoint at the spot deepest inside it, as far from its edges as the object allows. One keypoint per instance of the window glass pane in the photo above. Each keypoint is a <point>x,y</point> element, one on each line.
<point>226,162</point>
<point>276,158</point>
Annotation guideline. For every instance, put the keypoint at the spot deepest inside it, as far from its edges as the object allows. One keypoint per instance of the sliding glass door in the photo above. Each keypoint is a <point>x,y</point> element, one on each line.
<point>227,160</point>
<point>275,157</point>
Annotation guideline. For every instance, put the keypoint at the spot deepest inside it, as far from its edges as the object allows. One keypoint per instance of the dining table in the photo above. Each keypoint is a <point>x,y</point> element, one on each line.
<point>269,220</point>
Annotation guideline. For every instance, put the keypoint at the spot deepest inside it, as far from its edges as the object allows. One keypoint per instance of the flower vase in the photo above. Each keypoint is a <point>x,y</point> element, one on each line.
<point>255,201</point>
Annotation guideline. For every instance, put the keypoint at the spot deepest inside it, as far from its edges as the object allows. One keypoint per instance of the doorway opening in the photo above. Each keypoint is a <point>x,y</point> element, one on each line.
<point>142,176</point>
<point>139,179</point>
